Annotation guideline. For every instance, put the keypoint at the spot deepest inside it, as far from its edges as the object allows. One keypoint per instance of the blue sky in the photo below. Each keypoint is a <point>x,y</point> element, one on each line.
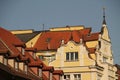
<point>31,14</point>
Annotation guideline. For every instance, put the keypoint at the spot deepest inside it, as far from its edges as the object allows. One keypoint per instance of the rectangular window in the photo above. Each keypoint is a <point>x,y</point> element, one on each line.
<point>71,56</point>
<point>67,56</point>
<point>66,77</point>
<point>40,72</point>
<point>16,65</point>
<point>5,61</point>
<point>76,55</point>
<point>99,77</point>
<point>77,77</point>
<point>110,78</point>
<point>25,68</point>
<point>104,59</point>
<point>23,51</point>
<point>41,57</point>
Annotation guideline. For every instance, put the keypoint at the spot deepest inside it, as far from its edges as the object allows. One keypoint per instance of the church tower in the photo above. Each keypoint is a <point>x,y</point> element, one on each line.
<point>104,30</point>
<point>106,46</point>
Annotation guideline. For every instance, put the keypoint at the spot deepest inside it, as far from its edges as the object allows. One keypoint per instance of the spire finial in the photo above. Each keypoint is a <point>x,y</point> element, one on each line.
<point>104,21</point>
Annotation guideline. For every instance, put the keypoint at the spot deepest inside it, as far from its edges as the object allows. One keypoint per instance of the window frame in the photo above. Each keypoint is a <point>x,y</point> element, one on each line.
<point>78,77</point>
<point>67,77</point>
<point>105,59</point>
<point>16,65</point>
<point>72,56</point>
<point>5,61</point>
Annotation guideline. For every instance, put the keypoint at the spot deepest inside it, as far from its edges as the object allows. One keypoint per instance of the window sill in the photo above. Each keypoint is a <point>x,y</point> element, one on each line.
<point>71,60</point>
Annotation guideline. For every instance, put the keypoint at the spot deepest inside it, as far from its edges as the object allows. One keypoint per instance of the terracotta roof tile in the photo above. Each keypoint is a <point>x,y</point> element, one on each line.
<point>60,72</point>
<point>10,40</point>
<point>51,40</point>
<point>9,37</point>
<point>3,48</point>
<point>30,49</point>
<point>44,77</point>
<point>48,68</point>
<point>33,62</point>
<point>91,37</point>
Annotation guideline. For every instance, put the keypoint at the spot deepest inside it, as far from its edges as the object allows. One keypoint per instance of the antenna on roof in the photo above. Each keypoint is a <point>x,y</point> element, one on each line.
<point>104,21</point>
<point>43,26</point>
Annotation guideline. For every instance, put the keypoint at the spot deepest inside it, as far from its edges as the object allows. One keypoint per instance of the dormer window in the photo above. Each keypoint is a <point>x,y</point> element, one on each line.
<point>5,61</point>
<point>16,65</point>
<point>23,51</point>
<point>41,57</point>
<point>25,68</point>
<point>50,75</point>
<point>81,41</point>
<point>62,41</point>
<point>40,72</point>
<point>34,55</point>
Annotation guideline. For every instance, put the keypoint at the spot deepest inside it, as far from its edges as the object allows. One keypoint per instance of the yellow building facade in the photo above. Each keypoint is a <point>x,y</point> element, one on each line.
<point>81,54</point>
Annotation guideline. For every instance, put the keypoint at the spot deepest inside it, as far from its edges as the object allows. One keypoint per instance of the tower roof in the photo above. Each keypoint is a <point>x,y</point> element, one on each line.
<point>104,21</point>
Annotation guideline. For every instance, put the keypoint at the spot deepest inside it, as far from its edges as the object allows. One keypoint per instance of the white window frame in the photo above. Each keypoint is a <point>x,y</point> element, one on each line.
<point>71,56</point>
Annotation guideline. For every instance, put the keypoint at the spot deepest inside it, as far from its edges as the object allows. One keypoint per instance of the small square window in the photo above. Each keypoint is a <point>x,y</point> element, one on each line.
<point>67,77</point>
<point>104,59</point>
<point>77,77</point>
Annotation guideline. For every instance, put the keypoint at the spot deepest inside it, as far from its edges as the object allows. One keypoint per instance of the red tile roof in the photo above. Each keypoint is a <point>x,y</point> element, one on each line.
<point>33,62</point>
<point>51,40</point>
<point>48,68</point>
<point>31,49</point>
<point>60,72</point>
<point>91,37</point>
<point>9,37</point>
<point>10,40</point>
<point>3,48</point>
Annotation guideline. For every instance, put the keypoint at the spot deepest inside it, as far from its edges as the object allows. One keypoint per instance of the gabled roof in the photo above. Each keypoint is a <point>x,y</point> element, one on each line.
<point>10,40</point>
<point>52,40</point>
<point>92,36</point>
<point>33,62</point>
<point>9,43</point>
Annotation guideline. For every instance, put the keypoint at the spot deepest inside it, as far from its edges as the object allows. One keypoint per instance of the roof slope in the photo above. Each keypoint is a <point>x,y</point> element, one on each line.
<point>10,40</point>
<point>52,40</point>
<point>27,36</point>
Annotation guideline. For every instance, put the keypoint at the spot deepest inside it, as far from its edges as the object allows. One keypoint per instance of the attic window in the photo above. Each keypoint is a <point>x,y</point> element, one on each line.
<point>71,56</point>
<point>25,68</point>
<point>48,39</point>
<point>5,61</point>
<point>23,51</point>
<point>16,65</point>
